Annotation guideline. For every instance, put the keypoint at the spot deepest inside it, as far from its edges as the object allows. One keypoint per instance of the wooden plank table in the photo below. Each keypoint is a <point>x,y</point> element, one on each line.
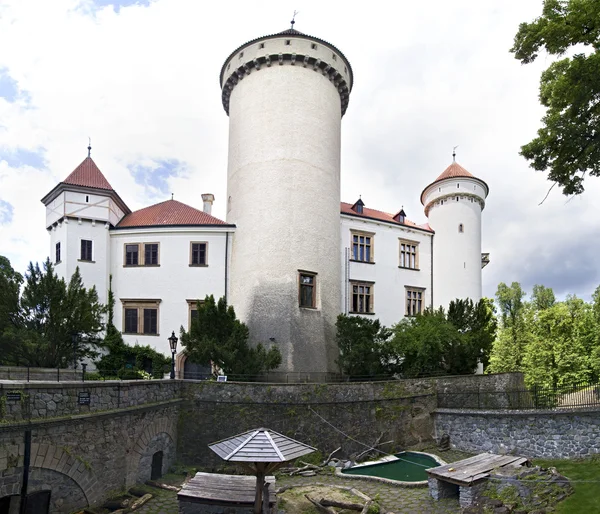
<point>212,488</point>
<point>470,471</point>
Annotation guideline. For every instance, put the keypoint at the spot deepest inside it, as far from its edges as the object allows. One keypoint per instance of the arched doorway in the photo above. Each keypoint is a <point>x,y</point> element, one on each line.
<point>157,464</point>
<point>37,503</point>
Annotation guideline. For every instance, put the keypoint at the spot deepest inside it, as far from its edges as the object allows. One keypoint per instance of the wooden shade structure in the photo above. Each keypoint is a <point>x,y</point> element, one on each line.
<point>262,451</point>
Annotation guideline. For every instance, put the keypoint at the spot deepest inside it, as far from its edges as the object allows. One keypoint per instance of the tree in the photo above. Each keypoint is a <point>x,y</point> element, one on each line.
<point>508,349</point>
<point>567,146</point>
<point>562,340</point>
<point>477,324</point>
<point>429,344</point>
<point>10,285</point>
<point>216,336</point>
<point>364,346</point>
<point>57,321</point>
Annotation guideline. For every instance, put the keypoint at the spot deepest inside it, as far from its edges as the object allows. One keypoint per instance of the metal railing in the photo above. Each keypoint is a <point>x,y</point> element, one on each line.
<point>577,395</point>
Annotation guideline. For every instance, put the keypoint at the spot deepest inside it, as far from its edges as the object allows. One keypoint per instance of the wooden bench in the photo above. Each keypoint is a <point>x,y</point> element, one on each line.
<point>216,493</point>
<point>457,478</point>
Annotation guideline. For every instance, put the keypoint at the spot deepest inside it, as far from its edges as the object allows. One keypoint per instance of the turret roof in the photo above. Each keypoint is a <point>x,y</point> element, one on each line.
<point>87,174</point>
<point>169,213</point>
<point>455,170</point>
<point>289,32</point>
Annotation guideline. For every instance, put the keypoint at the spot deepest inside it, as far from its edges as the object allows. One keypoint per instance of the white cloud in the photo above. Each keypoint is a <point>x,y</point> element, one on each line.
<point>143,83</point>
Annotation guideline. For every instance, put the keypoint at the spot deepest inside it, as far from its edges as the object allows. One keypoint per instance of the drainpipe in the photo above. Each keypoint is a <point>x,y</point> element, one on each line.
<point>431,271</point>
<point>226,263</point>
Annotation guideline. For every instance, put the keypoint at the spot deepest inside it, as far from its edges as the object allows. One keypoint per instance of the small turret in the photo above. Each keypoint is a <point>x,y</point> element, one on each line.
<point>453,203</point>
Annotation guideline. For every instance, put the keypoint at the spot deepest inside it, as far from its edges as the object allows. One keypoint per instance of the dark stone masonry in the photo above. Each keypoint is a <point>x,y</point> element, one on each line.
<point>85,450</point>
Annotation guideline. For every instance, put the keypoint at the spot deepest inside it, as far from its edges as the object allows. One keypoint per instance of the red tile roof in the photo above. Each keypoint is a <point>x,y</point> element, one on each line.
<point>455,170</point>
<point>87,174</point>
<point>346,208</point>
<point>168,213</point>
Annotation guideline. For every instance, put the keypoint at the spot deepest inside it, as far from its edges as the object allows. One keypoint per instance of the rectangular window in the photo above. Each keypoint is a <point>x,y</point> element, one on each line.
<point>414,301</point>
<point>140,317</point>
<point>86,250</point>
<point>57,253</point>
<point>131,255</point>
<point>193,311</point>
<point>307,293</point>
<point>362,297</point>
<point>151,321</point>
<point>198,254</point>
<point>409,254</point>
<point>151,254</point>
<point>141,254</point>
<point>131,321</point>
<point>362,246</point>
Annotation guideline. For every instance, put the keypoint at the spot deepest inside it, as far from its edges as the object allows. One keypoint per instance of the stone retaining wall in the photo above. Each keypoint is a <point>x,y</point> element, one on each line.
<point>35,400</point>
<point>549,434</point>
<point>317,414</point>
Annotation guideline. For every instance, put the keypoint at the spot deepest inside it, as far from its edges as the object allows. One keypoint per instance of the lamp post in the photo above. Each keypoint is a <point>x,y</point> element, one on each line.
<point>173,344</point>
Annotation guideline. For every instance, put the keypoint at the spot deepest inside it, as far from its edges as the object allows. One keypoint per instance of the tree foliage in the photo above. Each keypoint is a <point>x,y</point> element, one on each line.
<point>364,346</point>
<point>552,343</point>
<point>567,145</point>
<point>438,343</point>
<point>216,336</point>
<point>52,322</point>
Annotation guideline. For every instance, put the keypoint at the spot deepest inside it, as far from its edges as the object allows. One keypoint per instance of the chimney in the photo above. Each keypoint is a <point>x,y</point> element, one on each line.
<point>208,200</point>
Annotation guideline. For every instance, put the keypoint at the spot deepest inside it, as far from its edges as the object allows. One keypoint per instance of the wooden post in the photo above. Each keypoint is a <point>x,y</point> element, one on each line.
<point>260,481</point>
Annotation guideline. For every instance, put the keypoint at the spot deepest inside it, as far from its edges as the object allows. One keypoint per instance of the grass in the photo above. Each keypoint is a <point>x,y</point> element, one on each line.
<point>585,497</point>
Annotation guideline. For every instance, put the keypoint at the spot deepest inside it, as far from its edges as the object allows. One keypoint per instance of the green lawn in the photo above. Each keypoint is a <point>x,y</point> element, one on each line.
<point>586,498</point>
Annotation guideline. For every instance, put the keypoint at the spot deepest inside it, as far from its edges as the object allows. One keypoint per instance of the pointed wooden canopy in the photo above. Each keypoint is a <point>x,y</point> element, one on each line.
<point>260,445</point>
<point>261,450</point>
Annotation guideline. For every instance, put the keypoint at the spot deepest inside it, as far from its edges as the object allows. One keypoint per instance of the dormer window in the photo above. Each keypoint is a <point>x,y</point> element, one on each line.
<point>358,206</point>
<point>401,216</point>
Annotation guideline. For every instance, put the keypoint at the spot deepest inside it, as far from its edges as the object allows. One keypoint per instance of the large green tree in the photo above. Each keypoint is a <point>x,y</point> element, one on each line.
<point>55,321</point>
<point>216,336</point>
<point>509,348</point>
<point>438,343</point>
<point>567,145</point>
<point>10,285</point>
<point>364,346</point>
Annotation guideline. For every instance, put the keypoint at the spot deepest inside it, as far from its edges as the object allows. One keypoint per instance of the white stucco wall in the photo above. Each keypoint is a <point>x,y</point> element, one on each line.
<point>284,197</point>
<point>389,281</point>
<point>173,282</point>
<point>457,256</point>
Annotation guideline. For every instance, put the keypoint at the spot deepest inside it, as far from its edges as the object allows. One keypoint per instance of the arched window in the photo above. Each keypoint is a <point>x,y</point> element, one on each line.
<point>461,229</point>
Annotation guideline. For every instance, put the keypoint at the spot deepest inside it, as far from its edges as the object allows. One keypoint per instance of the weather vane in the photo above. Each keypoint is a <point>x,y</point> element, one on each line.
<point>293,20</point>
<point>454,153</point>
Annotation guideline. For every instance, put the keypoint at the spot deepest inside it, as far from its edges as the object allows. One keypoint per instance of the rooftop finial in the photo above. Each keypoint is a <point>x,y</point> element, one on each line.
<point>454,153</point>
<point>172,194</point>
<point>89,146</point>
<point>293,20</point>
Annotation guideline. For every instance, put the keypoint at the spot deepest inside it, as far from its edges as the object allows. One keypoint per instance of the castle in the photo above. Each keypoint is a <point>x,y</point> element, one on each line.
<point>290,256</point>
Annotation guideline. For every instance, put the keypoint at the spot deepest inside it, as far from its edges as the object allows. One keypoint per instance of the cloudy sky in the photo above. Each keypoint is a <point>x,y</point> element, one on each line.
<point>141,79</point>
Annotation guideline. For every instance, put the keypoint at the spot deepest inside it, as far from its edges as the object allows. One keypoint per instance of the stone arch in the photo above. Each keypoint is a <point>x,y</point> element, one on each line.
<point>49,466</point>
<point>160,435</point>
<point>187,369</point>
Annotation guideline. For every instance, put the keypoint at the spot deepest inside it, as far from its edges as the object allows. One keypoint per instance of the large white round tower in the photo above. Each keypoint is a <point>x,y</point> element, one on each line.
<point>454,203</point>
<point>285,95</point>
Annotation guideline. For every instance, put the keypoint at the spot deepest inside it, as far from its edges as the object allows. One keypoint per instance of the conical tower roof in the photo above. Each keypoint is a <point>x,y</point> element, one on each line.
<point>455,170</point>
<point>87,174</point>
